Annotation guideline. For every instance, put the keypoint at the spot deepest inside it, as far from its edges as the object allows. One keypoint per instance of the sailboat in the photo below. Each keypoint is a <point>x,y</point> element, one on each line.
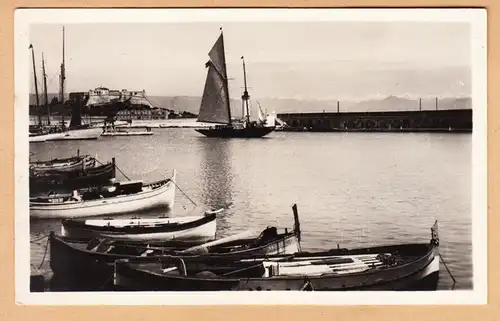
<point>215,104</point>
<point>76,130</point>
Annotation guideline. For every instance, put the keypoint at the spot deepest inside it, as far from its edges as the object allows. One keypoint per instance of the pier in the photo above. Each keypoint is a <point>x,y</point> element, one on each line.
<point>459,120</point>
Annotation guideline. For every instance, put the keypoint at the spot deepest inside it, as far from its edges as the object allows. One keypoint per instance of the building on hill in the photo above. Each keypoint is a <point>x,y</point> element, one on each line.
<point>102,96</point>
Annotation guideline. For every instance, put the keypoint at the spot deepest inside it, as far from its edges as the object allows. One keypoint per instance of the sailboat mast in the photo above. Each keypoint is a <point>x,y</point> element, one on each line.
<point>63,72</point>
<point>36,85</point>
<point>245,95</point>
<point>45,94</point>
<point>226,94</point>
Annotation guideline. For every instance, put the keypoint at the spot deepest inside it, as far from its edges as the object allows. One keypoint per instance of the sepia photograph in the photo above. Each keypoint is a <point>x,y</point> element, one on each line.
<point>197,156</point>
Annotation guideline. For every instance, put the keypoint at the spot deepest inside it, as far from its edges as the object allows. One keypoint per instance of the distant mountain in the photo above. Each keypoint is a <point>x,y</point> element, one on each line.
<point>282,105</point>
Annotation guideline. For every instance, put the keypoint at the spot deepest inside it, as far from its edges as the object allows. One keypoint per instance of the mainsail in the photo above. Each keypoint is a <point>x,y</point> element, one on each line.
<point>215,101</point>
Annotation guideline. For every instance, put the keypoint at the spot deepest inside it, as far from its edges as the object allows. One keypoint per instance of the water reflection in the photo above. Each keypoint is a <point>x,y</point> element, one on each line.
<point>217,172</point>
<point>217,176</point>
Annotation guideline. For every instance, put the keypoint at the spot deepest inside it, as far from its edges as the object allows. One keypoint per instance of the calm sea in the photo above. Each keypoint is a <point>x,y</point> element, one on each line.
<point>352,189</point>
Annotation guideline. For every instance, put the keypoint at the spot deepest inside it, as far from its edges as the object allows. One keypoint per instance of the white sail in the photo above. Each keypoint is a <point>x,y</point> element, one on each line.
<point>261,116</point>
<point>215,101</point>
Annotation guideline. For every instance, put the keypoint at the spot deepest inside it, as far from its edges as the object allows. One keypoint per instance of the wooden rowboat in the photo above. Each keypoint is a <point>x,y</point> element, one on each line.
<point>396,267</point>
<point>67,181</point>
<point>186,228</point>
<point>123,197</point>
<point>89,264</point>
<point>62,164</point>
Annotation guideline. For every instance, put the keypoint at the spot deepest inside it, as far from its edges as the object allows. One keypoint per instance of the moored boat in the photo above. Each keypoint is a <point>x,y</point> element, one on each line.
<point>69,164</point>
<point>113,130</point>
<point>82,133</point>
<point>121,198</point>
<point>67,181</point>
<point>186,228</point>
<point>396,267</point>
<point>215,104</point>
<point>89,264</point>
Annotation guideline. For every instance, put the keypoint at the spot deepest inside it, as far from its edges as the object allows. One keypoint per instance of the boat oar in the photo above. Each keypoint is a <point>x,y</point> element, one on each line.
<point>203,247</point>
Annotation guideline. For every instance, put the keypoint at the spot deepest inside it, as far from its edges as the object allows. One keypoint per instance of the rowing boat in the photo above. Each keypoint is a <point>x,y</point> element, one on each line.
<point>186,228</point>
<point>62,164</point>
<point>121,198</point>
<point>395,267</point>
<point>66,181</point>
<point>88,264</point>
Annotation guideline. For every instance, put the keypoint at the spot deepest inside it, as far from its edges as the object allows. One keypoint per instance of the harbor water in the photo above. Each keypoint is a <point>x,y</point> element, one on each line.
<point>351,189</point>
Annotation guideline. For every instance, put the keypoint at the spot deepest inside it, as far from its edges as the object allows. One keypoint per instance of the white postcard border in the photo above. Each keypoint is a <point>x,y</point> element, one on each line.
<point>25,17</point>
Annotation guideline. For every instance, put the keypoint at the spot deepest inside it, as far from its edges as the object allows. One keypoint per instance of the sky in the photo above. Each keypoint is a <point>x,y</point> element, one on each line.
<point>301,60</point>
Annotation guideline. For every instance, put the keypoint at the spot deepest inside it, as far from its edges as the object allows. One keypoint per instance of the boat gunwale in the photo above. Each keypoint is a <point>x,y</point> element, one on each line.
<point>155,191</point>
<point>244,254</point>
<point>139,229</point>
<point>126,262</point>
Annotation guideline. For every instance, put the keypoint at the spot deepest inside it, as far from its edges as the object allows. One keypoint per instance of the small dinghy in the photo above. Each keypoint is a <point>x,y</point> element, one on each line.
<point>127,131</point>
<point>123,197</point>
<point>396,267</point>
<point>62,164</point>
<point>64,182</point>
<point>88,264</point>
<point>187,228</point>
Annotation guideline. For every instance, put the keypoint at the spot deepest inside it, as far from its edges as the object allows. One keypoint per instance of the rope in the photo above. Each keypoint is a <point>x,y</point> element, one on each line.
<point>38,239</point>
<point>449,272</point>
<point>107,282</point>
<point>45,253</point>
<point>116,166</point>
<point>184,194</point>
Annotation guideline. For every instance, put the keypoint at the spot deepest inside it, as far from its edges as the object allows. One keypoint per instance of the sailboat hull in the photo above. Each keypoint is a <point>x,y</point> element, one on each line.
<point>230,132</point>
<point>80,134</point>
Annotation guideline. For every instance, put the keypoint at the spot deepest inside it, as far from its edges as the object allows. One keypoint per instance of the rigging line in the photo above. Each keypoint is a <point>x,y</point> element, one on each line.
<point>39,239</point>
<point>45,253</point>
<point>107,281</point>
<point>184,193</point>
<point>116,166</point>
<point>448,270</point>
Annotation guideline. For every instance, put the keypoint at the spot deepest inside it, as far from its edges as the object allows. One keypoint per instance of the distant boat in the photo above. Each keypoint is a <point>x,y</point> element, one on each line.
<point>111,129</point>
<point>76,130</point>
<point>121,198</point>
<point>215,105</point>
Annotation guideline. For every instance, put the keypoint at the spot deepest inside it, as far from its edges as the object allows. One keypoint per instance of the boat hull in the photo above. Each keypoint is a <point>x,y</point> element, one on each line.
<point>69,181</point>
<point>201,229</point>
<point>79,134</point>
<point>110,134</point>
<point>163,196</point>
<point>422,274</point>
<point>45,137</point>
<point>230,132</point>
<point>79,269</point>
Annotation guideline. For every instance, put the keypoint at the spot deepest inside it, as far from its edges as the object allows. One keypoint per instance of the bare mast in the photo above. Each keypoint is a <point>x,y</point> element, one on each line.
<point>45,94</point>
<point>36,86</point>
<point>63,73</point>
<point>245,97</point>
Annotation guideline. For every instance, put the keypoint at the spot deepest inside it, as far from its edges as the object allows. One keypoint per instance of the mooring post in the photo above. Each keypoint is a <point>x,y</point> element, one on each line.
<point>296,219</point>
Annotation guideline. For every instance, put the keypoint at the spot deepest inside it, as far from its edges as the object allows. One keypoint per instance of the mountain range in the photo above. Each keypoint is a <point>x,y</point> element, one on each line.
<point>283,105</point>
